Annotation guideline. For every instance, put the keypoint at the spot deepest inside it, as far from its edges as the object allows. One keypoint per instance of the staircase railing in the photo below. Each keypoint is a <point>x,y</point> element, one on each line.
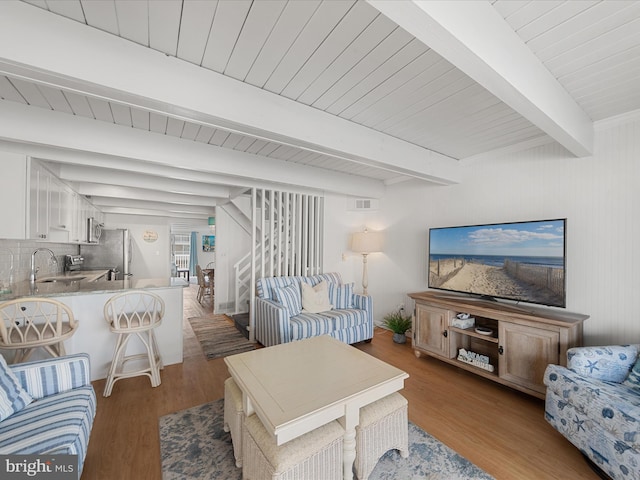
<point>287,233</point>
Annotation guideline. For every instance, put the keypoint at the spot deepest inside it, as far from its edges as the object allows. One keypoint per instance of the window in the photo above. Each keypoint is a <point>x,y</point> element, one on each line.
<point>180,246</point>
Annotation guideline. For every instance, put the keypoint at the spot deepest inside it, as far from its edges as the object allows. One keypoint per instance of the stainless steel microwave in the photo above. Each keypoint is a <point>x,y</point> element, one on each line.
<point>94,230</point>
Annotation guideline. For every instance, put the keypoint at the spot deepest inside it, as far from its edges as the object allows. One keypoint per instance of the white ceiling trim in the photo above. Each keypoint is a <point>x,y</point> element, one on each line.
<point>633,116</point>
<point>29,125</point>
<point>149,213</point>
<point>203,212</point>
<point>485,47</point>
<point>63,53</point>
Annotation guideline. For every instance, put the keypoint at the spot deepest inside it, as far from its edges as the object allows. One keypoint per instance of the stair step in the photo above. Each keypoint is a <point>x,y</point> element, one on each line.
<point>241,321</point>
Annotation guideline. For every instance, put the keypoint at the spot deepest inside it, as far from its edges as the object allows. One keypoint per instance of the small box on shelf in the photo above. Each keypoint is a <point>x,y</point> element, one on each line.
<point>463,323</point>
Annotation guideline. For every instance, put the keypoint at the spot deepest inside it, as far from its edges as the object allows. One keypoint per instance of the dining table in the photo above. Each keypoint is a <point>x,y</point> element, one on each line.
<point>299,386</point>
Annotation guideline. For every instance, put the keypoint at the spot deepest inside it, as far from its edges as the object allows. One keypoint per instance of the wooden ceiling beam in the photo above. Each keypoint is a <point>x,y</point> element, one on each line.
<point>51,49</point>
<point>81,141</point>
<point>473,36</point>
<point>130,193</point>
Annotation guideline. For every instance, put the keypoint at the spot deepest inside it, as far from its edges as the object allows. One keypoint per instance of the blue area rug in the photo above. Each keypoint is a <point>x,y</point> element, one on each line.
<point>194,446</point>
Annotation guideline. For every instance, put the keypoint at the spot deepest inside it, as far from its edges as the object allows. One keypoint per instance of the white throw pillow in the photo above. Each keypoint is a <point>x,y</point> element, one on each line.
<point>315,299</point>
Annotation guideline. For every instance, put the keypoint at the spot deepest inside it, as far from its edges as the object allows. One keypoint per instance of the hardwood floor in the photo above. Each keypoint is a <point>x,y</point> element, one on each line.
<point>500,430</point>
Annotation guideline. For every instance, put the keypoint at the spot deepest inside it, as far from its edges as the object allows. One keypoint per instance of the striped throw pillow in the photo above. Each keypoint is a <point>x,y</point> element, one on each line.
<point>290,297</point>
<point>341,296</point>
<point>13,397</point>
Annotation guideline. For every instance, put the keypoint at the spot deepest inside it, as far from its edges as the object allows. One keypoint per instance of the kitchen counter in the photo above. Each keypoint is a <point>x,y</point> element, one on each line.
<point>87,299</point>
<point>66,285</point>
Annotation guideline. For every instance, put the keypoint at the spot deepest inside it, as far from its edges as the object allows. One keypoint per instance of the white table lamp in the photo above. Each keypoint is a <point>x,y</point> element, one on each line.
<point>365,243</point>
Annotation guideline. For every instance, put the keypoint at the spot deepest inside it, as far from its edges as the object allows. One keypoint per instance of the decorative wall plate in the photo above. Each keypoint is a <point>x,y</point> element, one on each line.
<point>150,236</point>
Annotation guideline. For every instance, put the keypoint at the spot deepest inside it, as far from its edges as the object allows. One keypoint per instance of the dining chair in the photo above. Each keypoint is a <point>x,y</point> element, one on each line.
<point>27,324</point>
<point>204,285</point>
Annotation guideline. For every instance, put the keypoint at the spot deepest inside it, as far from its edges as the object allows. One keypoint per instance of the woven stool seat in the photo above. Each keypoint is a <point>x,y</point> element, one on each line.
<point>234,417</point>
<point>27,324</point>
<point>384,426</point>
<point>316,455</point>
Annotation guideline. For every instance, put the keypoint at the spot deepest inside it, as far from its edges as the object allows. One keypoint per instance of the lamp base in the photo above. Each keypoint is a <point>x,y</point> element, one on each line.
<point>365,279</point>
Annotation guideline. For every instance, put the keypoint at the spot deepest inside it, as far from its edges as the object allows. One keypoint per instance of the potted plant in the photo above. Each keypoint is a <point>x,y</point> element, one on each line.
<point>398,324</point>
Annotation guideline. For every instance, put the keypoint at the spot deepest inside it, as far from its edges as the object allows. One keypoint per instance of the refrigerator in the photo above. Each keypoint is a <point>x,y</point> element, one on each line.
<point>113,253</point>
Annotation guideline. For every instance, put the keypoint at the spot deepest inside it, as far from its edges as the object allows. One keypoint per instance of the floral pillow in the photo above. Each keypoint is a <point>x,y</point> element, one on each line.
<point>609,363</point>
<point>13,397</point>
<point>290,297</point>
<point>633,380</point>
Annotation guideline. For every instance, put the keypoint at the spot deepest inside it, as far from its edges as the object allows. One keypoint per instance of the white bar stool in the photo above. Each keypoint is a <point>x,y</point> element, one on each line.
<point>134,313</point>
<point>30,323</point>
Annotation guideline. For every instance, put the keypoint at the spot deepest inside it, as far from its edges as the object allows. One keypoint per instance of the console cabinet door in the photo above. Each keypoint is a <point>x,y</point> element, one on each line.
<point>431,330</point>
<point>525,353</point>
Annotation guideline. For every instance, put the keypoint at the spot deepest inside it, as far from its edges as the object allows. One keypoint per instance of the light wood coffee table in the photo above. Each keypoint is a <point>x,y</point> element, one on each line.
<point>299,386</point>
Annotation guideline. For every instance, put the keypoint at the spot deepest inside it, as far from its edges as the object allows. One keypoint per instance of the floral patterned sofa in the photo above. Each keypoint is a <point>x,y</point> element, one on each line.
<point>280,317</point>
<point>595,404</point>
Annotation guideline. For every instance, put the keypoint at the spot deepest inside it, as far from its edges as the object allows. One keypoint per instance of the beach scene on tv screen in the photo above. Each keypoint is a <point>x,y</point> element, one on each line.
<point>517,261</point>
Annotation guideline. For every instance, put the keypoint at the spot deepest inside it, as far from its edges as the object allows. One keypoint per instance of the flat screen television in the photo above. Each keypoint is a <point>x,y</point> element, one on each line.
<point>520,261</point>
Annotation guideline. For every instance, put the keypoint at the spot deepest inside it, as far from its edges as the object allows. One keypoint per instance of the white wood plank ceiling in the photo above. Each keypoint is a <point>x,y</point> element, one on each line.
<point>347,65</point>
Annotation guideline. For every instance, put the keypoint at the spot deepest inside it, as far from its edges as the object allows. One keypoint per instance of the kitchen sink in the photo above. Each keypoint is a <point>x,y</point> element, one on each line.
<point>67,279</point>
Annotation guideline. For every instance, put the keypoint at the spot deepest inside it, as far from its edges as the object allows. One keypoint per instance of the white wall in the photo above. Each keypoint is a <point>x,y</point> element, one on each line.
<point>148,259</point>
<point>598,195</point>
<point>232,244</point>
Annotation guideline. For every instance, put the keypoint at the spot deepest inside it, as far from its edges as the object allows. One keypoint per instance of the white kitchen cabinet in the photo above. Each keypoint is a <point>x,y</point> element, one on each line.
<point>78,223</point>
<point>38,205</point>
<point>13,196</point>
<point>60,211</point>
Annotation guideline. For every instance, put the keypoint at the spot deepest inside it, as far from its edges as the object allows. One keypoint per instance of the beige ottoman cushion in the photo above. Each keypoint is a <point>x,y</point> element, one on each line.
<point>384,426</point>
<point>316,455</point>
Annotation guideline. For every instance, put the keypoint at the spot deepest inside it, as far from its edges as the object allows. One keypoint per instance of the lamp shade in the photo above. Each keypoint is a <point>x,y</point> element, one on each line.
<point>212,220</point>
<point>367,242</point>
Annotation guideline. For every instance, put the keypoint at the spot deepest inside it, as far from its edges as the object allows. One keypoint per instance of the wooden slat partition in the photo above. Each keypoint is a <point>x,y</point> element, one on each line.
<point>287,234</point>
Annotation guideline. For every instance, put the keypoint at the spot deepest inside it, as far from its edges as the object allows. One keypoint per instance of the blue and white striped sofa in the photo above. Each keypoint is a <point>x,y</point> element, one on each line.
<point>595,404</point>
<point>60,417</point>
<point>274,324</point>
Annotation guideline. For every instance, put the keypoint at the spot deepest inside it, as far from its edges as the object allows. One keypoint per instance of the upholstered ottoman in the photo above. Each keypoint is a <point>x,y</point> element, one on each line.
<point>316,455</point>
<point>383,426</point>
<point>234,417</point>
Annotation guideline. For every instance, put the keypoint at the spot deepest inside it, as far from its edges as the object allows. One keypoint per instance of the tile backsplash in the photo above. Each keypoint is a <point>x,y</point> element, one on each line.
<point>19,253</point>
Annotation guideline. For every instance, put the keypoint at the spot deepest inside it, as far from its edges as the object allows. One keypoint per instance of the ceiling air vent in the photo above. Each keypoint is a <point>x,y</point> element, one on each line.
<point>363,204</point>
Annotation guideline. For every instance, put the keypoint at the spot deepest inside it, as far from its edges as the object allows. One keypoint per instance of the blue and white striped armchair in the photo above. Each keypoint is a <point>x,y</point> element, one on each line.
<point>279,317</point>
<point>595,403</point>
<point>59,411</point>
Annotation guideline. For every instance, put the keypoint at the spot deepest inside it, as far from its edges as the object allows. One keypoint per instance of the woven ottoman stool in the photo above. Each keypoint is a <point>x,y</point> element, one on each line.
<point>316,455</point>
<point>383,426</point>
<point>234,417</point>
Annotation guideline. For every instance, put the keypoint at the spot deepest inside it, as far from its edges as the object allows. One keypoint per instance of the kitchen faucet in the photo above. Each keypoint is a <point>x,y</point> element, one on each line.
<point>34,270</point>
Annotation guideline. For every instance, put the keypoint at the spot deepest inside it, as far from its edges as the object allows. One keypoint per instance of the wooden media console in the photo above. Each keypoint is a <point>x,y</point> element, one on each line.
<point>517,341</point>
